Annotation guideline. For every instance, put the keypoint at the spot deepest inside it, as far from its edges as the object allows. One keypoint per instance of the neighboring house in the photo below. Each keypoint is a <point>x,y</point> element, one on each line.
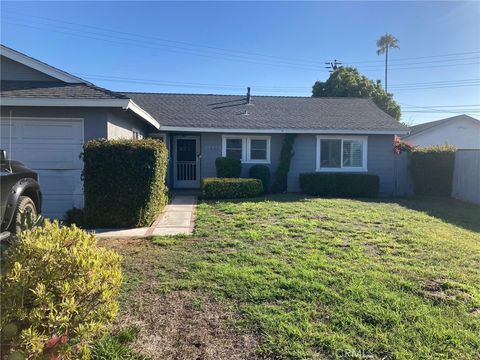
<point>462,131</point>
<point>48,114</point>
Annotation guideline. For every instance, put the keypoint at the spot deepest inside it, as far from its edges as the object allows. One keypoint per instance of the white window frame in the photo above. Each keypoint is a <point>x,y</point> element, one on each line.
<point>139,134</point>
<point>246,148</point>
<point>363,139</point>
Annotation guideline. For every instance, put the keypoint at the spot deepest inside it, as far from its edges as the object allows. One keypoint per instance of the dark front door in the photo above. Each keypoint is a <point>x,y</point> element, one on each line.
<point>186,167</point>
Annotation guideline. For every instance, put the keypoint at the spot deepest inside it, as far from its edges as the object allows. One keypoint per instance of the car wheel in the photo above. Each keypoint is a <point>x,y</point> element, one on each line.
<point>25,205</point>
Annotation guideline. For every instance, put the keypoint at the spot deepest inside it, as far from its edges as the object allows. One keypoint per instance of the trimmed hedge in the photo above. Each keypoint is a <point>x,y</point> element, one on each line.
<point>339,184</point>
<point>262,173</point>
<point>432,170</point>
<point>228,188</point>
<point>228,167</point>
<point>124,182</point>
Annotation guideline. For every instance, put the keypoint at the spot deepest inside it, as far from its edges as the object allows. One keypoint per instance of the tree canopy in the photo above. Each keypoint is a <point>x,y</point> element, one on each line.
<point>348,82</point>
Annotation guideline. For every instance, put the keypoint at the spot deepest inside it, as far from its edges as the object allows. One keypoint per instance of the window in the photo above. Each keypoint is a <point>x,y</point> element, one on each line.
<point>346,153</point>
<point>234,148</point>
<point>249,149</point>
<point>136,134</point>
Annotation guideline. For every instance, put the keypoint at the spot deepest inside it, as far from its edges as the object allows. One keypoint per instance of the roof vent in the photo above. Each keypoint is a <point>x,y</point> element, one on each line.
<point>248,95</point>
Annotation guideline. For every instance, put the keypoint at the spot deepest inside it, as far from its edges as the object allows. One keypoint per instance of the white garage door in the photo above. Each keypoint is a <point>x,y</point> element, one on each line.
<point>51,147</point>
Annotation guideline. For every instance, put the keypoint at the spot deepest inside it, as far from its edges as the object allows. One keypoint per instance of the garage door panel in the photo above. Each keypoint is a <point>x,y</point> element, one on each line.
<point>52,132</point>
<point>51,147</point>
<point>52,156</point>
<point>55,206</point>
<point>60,182</point>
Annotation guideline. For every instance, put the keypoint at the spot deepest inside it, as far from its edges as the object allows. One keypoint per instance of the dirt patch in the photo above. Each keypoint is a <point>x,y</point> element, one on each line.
<point>184,325</point>
<point>174,324</point>
<point>372,249</point>
<point>441,291</point>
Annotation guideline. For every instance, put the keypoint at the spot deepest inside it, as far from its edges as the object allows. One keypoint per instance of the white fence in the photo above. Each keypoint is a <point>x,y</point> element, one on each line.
<point>466,176</point>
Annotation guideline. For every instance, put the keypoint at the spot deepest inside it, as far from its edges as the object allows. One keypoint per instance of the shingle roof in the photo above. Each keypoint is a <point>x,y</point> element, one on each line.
<point>54,90</point>
<point>265,112</point>
<point>425,126</point>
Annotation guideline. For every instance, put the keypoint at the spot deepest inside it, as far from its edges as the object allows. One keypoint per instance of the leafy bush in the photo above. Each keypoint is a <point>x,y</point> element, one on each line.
<point>75,216</point>
<point>228,167</point>
<point>124,182</point>
<point>339,184</point>
<point>58,292</point>
<point>227,188</point>
<point>262,173</point>
<point>286,154</point>
<point>432,170</point>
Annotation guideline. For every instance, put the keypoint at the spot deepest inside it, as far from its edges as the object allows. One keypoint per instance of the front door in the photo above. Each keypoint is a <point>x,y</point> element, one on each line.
<point>187,166</point>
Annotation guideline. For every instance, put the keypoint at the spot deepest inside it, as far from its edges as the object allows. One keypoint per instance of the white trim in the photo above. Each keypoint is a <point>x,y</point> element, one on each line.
<point>246,147</point>
<point>364,140</point>
<point>283,131</point>
<point>192,184</point>
<point>123,103</point>
<point>40,66</point>
<point>142,113</point>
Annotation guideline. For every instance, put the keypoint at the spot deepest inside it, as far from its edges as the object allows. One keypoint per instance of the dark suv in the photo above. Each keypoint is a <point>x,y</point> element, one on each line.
<point>19,193</point>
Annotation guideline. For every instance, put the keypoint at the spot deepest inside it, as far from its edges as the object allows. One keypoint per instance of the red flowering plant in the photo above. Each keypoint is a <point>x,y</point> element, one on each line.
<point>400,146</point>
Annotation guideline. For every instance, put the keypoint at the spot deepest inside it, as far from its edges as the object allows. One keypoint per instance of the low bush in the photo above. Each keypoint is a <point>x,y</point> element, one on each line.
<point>228,167</point>
<point>262,173</point>
<point>339,184</point>
<point>432,170</point>
<point>58,292</point>
<point>124,182</point>
<point>227,188</point>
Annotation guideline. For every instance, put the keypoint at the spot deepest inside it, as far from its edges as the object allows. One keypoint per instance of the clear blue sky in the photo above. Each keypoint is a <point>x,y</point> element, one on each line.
<point>277,48</point>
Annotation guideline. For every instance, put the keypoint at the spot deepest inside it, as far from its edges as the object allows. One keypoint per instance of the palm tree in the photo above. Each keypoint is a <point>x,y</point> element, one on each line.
<point>386,42</point>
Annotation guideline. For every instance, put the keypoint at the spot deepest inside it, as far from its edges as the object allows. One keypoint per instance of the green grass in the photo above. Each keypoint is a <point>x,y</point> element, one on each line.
<point>338,278</point>
<point>115,346</point>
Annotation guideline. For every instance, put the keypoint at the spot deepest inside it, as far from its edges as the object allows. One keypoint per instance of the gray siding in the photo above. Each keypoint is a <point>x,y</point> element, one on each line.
<point>12,70</point>
<point>95,119</point>
<point>380,158</point>
<point>120,125</point>
<point>211,148</point>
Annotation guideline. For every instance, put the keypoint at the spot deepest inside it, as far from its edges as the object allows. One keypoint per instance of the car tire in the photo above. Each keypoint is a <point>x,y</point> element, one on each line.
<point>25,204</point>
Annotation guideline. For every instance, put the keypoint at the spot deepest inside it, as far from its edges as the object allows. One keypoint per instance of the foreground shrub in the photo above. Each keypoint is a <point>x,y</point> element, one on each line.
<point>225,188</point>
<point>339,184</point>
<point>228,167</point>
<point>58,291</point>
<point>124,182</point>
<point>262,173</point>
<point>432,170</point>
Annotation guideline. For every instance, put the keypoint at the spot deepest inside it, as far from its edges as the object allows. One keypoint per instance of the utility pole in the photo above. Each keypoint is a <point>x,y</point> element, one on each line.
<point>332,66</point>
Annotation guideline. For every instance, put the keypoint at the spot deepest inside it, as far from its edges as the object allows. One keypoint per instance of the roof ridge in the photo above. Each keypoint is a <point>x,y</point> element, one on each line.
<point>244,95</point>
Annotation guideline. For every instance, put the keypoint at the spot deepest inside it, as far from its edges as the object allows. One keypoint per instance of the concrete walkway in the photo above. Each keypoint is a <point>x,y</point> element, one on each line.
<point>178,217</point>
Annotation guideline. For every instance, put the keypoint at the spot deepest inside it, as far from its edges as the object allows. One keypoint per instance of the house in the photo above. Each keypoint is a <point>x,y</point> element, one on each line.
<point>461,131</point>
<point>47,114</point>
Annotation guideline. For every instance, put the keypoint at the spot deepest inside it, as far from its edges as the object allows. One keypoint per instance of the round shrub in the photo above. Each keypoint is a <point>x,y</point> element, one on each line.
<point>228,167</point>
<point>261,172</point>
<point>58,291</point>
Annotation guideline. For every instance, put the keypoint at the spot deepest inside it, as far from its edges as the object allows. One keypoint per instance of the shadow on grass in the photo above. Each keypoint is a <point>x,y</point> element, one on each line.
<point>452,211</point>
<point>449,210</point>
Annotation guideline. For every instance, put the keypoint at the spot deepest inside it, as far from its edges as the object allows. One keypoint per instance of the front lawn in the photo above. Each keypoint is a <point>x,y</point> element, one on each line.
<point>306,277</point>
